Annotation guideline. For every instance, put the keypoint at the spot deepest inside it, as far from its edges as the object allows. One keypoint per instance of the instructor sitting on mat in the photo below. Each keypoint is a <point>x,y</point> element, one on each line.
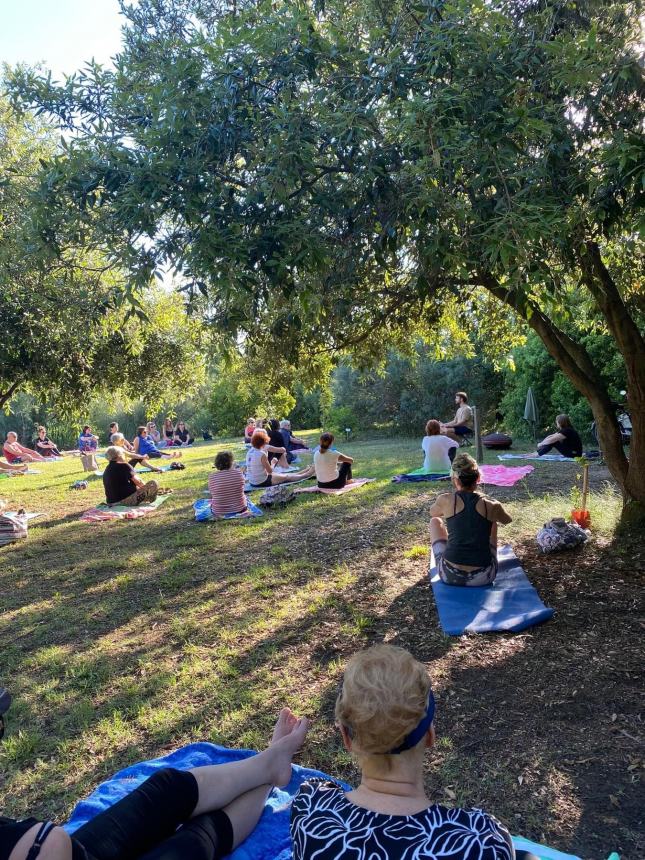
<point>202,814</point>
<point>565,440</point>
<point>465,547</point>
<point>329,474</point>
<point>462,423</point>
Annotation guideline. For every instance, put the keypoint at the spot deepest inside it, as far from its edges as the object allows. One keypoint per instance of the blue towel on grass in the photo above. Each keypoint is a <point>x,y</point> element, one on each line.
<point>510,604</point>
<point>270,840</point>
<point>203,512</point>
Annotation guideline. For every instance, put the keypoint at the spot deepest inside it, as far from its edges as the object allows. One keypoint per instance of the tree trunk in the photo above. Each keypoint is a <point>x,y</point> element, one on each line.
<point>575,363</point>
<point>5,396</point>
<point>631,344</point>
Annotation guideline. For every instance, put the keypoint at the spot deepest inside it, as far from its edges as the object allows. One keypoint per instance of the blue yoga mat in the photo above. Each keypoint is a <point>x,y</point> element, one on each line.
<point>270,840</point>
<point>510,604</point>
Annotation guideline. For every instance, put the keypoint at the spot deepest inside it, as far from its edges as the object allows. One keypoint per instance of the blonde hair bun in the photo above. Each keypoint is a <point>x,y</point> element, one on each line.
<point>383,698</point>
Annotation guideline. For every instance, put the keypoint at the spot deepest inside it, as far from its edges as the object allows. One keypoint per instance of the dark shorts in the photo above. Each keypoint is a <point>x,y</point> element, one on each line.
<point>265,483</point>
<point>461,430</point>
<point>152,454</point>
<point>453,575</point>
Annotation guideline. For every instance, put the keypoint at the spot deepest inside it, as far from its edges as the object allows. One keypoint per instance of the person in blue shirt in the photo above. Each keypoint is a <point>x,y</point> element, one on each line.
<point>145,447</point>
<point>87,445</point>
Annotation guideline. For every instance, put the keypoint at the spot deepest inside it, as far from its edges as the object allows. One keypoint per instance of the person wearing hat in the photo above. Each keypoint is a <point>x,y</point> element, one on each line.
<point>122,485</point>
<point>385,716</point>
<point>463,528</point>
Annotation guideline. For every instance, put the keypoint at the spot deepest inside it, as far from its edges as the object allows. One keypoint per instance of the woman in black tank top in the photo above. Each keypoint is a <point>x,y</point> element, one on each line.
<point>463,529</point>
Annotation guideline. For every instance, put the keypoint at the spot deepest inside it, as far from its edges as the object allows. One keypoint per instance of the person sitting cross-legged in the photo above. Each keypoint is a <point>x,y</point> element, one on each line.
<point>183,435</point>
<point>333,469</point>
<point>202,813</point>
<point>385,716</point>
<point>463,529</point>
<point>226,486</point>
<point>260,470</point>
<point>438,448</point>
<point>122,485</point>
<point>461,425</point>
<point>17,453</point>
<point>565,440</point>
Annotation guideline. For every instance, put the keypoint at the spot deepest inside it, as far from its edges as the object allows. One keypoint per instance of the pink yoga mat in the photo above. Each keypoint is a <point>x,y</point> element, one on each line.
<point>504,476</point>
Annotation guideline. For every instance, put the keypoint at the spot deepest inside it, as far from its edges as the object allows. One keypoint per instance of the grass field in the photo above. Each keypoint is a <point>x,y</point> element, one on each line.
<point>123,640</point>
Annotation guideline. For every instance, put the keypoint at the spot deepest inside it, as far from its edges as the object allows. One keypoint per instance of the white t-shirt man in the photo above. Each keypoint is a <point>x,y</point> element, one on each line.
<point>326,465</point>
<point>436,450</point>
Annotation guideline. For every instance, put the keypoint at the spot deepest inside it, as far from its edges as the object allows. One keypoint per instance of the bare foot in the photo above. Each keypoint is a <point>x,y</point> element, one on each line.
<point>285,723</point>
<point>283,749</point>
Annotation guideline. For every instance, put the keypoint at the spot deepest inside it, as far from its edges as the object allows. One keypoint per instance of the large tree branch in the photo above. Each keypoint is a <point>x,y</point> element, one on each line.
<point>5,396</point>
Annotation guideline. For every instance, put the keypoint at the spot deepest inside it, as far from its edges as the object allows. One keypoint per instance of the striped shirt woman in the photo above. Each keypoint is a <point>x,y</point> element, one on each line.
<point>226,487</point>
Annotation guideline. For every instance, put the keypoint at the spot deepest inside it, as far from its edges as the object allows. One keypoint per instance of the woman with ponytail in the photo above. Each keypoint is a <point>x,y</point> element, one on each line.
<point>333,469</point>
<point>463,529</point>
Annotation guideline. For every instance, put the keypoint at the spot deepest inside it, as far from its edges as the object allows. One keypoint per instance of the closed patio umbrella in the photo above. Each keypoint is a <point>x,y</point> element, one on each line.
<point>531,411</point>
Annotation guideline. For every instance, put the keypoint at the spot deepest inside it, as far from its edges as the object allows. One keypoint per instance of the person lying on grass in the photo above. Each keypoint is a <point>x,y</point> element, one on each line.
<point>260,471</point>
<point>13,468</point>
<point>333,469</point>
<point>119,441</point>
<point>565,440</point>
<point>199,814</point>
<point>463,528</point>
<point>122,485</point>
<point>226,486</point>
<point>17,453</point>
<point>439,449</point>
<point>385,716</point>
<point>145,447</point>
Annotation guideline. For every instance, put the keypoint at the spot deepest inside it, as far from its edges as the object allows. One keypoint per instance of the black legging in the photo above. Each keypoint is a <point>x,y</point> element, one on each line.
<point>560,447</point>
<point>344,474</point>
<point>144,825</point>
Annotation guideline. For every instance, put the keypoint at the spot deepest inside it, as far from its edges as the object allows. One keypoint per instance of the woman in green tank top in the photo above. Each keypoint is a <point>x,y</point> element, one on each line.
<point>463,529</point>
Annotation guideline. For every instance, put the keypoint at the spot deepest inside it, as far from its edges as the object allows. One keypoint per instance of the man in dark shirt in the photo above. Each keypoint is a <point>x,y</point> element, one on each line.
<point>565,440</point>
<point>122,485</point>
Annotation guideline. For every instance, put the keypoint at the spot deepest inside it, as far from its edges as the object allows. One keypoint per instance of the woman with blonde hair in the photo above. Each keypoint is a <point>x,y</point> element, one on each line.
<point>385,716</point>
<point>463,528</point>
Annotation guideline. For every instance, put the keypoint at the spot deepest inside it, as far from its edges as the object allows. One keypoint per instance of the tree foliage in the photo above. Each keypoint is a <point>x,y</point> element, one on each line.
<point>353,175</point>
<point>64,334</point>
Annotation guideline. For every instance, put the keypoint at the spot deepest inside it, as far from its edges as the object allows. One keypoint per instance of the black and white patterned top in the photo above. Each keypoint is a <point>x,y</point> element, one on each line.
<point>327,826</point>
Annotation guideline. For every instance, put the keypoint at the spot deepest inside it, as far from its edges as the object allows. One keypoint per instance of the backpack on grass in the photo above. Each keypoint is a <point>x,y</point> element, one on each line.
<point>558,534</point>
<point>281,494</point>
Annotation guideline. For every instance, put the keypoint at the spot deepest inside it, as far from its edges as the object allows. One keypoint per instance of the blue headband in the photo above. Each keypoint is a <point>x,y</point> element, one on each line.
<point>412,739</point>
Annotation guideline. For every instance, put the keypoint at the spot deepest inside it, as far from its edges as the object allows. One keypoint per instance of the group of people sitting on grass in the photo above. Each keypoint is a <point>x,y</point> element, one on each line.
<point>385,718</point>
<point>264,467</point>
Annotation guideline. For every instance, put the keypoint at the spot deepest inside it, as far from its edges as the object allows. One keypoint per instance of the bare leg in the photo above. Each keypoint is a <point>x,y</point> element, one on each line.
<point>309,472</point>
<point>245,811</point>
<point>219,785</point>
<point>438,530</point>
<point>57,846</point>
